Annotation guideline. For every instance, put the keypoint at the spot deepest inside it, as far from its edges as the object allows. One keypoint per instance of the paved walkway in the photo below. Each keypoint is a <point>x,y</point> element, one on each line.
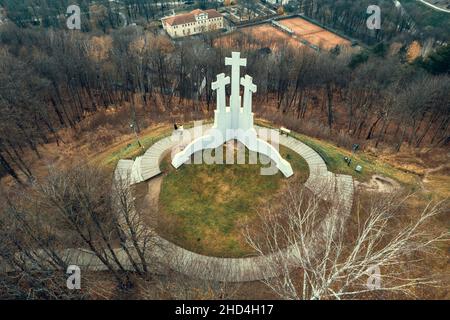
<point>320,181</point>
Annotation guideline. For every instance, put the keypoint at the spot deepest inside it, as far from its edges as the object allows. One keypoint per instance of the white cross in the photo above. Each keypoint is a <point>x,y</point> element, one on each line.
<point>249,89</point>
<point>236,63</point>
<point>219,85</point>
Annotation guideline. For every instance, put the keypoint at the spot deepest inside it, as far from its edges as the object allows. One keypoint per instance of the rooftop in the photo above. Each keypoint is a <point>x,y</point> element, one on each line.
<point>190,17</point>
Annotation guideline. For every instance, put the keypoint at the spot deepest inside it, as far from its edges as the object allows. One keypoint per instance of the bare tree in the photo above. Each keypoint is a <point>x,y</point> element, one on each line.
<point>32,265</point>
<point>134,236</point>
<point>76,211</point>
<point>323,255</point>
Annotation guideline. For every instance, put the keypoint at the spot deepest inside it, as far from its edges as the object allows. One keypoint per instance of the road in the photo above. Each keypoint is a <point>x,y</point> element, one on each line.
<point>434,7</point>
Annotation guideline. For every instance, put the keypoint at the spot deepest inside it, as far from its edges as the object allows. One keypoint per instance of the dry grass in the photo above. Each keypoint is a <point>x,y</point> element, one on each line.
<point>204,208</point>
<point>414,51</point>
<point>255,37</point>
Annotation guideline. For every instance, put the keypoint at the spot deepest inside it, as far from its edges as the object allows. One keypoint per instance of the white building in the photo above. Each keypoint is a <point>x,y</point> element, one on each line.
<point>195,22</point>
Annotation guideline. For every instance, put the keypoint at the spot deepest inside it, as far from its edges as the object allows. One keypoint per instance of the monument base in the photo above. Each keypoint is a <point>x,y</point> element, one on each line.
<point>216,138</point>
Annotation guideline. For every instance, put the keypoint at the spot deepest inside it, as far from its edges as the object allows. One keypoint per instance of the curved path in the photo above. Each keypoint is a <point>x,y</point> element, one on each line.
<point>434,7</point>
<point>321,182</point>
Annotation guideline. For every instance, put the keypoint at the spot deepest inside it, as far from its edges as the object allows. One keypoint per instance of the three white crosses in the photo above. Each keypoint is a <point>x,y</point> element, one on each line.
<point>236,81</point>
<point>235,122</point>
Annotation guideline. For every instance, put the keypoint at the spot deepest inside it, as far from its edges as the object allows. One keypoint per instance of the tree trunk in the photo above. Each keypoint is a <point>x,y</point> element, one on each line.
<point>330,105</point>
<point>9,169</point>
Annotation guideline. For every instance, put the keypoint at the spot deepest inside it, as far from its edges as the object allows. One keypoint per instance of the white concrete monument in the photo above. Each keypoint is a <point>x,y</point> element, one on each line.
<point>234,122</point>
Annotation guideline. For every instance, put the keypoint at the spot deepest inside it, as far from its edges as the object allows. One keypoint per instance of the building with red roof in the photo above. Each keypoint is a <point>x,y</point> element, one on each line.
<point>195,22</point>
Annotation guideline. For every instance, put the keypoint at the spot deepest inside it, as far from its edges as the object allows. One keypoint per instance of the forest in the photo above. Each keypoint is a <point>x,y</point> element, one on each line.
<point>52,79</point>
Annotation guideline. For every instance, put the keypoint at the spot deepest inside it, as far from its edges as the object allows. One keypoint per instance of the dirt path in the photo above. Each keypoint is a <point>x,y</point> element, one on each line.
<point>431,171</point>
<point>381,184</point>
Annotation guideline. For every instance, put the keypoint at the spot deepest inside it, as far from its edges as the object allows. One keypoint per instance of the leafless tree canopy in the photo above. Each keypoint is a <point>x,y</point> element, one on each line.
<point>78,208</point>
<point>333,257</point>
<point>69,77</point>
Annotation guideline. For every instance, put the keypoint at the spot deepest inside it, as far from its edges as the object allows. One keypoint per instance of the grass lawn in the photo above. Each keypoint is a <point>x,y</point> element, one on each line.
<point>333,156</point>
<point>131,149</point>
<point>204,208</point>
<point>334,159</point>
